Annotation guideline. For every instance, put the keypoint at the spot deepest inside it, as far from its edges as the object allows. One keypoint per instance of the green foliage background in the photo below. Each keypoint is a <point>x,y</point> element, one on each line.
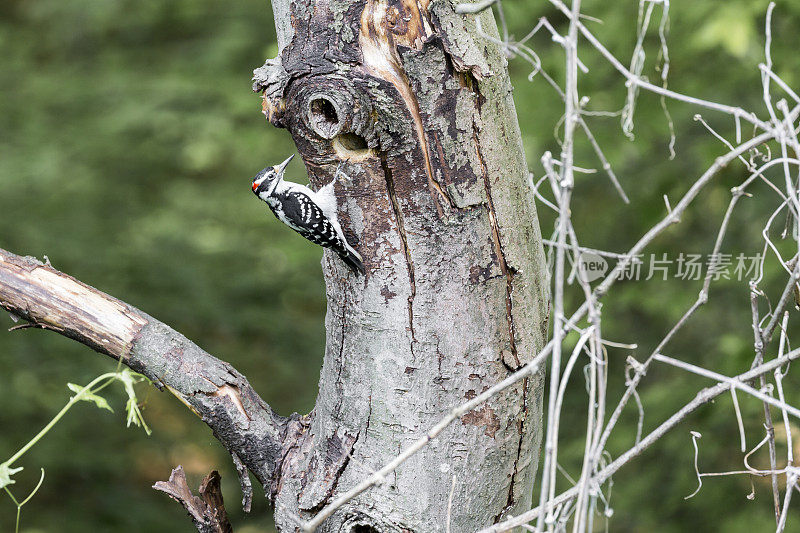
<point>128,136</point>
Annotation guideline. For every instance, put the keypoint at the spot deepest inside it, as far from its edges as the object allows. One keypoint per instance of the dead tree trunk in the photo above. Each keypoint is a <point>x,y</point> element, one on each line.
<point>418,108</point>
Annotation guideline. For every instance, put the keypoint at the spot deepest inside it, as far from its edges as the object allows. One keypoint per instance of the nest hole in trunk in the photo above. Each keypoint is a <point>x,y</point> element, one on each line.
<point>324,117</point>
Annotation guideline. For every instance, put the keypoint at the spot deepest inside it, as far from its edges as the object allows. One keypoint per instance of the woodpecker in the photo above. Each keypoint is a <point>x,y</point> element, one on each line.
<point>311,214</point>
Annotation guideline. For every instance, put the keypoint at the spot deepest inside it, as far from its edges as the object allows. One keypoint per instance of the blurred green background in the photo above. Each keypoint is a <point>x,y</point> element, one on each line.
<point>128,136</point>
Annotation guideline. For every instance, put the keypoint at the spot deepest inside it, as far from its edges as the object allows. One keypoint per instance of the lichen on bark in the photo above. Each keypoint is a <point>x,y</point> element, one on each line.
<point>414,107</point>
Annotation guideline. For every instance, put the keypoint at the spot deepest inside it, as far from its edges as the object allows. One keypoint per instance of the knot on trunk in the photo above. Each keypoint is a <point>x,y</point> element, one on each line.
<point>329,106</point>
<point>333,116</point>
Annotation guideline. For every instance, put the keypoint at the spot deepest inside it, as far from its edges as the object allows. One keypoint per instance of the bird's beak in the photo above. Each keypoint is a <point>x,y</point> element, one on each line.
<point>280,168</point>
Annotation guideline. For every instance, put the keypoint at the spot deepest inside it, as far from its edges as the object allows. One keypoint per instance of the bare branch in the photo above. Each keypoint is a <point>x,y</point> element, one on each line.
<point>212,388</point>
<point>632,78</point>
<point>734,384</point>
<point>704,396</point>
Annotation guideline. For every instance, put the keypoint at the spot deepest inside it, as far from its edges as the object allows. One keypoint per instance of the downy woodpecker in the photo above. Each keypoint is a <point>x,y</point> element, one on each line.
<point>311,214</point>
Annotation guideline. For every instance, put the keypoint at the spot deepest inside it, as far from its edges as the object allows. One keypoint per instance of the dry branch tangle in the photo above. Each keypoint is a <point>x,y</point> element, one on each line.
<point>455,293</point>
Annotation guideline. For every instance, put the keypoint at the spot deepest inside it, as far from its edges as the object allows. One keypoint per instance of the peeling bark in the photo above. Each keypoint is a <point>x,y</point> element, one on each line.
<point>418,109</point>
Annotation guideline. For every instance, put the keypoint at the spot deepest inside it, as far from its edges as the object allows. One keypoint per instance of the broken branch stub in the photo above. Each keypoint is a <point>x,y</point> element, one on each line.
<point>207,511</point>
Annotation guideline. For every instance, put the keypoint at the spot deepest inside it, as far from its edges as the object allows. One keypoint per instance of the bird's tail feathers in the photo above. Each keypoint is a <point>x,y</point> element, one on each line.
<point>352,259</point>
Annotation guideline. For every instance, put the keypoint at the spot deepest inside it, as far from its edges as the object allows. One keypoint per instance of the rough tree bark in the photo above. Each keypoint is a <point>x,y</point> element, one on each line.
<point>415,108</point>
<point>418,108</point>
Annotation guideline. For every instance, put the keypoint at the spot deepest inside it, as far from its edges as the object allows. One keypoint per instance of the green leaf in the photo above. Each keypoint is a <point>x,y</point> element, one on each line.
<point>5,474</point>
<point>129,379</point>
<point>135,416</point>
<point>84,394</point>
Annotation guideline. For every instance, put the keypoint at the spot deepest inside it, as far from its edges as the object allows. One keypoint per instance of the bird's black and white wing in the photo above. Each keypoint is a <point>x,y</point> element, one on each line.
<point>304,211</point>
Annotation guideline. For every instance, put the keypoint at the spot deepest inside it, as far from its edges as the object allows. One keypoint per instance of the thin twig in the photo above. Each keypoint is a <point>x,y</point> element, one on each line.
<point>735,111</point>
<point>704,396</point>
